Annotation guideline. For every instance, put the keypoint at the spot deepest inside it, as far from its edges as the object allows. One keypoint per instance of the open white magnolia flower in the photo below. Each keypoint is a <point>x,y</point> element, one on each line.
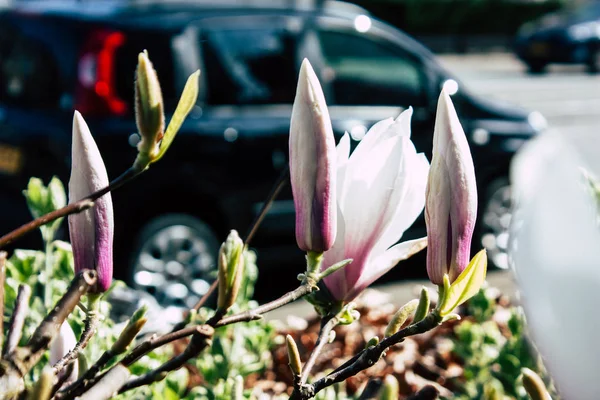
<point>380,193</point>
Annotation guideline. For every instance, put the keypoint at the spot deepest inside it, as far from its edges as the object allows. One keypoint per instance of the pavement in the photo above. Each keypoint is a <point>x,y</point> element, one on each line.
<point>567,96</point>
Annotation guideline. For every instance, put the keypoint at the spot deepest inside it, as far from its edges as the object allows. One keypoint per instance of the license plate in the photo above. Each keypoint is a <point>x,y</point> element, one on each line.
<point>11,159</point>
<point>539,49</point>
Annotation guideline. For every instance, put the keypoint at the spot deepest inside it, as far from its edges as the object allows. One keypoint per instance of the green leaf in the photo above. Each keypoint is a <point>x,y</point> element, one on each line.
<point>57,193</point>
<point>466,285</point>
<point>186,102</point>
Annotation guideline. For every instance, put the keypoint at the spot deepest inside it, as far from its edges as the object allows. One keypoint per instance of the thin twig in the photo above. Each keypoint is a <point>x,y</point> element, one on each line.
<point>198,342</point>
<point>277,187</point>
<point>73,208</point>
<point>257,313</point>
<point>62,378</point>
<point>366,358</point>
<point>201,338</point>
<point>2,279</point>
<point>279,184</point>
<point>17,319</point>
<point>91,323</point>
<point>327,324</point>
<point>20,361</point>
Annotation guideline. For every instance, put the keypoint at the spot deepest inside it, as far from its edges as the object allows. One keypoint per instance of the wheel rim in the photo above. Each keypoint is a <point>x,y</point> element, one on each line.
<point>495,225</point>
<point>175,265</point>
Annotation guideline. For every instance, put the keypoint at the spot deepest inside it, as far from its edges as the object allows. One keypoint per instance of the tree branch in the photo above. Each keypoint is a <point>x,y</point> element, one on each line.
<point>17,319</point>
<point>91,323</point>
<point>366,358</point>
<point>73,208</point>
<point>20,361</point>
<point>256,313</point>
<point>279,184</point>
<point>327,325</point>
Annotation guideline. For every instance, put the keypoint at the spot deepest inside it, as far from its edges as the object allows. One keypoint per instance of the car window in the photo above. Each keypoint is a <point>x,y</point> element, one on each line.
<point>366,71</point>
<point>249,66</point>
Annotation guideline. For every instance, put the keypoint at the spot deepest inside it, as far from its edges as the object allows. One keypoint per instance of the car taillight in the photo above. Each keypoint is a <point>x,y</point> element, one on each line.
<point>96,93</point>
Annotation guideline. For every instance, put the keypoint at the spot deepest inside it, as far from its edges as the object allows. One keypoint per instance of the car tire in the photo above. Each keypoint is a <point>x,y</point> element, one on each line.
<point>536,67</point>
<point>175,259</point>
<point>494,221</point>
<point>593,65</point>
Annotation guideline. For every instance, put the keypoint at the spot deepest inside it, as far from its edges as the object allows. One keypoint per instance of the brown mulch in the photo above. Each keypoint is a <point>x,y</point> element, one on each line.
<point>418,362</point>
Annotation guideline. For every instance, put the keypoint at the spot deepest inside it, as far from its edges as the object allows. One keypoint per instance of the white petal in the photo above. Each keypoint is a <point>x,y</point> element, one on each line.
<point>368,189</point>
<point>343,152</point>
<point>386,261</point>
<point>410,202</point>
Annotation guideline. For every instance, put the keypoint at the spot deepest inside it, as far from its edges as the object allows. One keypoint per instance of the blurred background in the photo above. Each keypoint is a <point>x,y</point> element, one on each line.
<point>515,68</point>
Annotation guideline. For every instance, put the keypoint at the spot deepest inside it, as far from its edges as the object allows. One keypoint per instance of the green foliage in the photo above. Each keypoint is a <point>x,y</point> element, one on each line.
<point>44,199</point>
<point>492,360</point>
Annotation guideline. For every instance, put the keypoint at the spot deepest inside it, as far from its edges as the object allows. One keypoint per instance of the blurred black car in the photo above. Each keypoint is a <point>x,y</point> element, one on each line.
<point>568,37</point>
<point>60,56</point>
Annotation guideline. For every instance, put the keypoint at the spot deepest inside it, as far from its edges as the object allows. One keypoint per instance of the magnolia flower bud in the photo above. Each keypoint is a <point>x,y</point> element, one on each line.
<point>231,270</point>
<point>91,231</point>
<point>61,346</point>
<point>149,114</point>
<point>293,355</point>
<point>451,199</point>
<point>312,165</point>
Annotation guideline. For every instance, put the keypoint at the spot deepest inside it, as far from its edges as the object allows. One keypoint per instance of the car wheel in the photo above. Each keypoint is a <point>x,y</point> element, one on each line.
<point>594,61</point>
<point>175,259</point>
<point>495,216</point>
<point>536,67</point>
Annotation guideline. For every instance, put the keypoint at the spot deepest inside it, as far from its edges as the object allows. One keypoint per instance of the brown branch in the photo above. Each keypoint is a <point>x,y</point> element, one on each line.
<point>327,325</point>
<point>73,208</point>
<point>199,341</point>
<point>17,319</point>
<point>256,313</point>
<point>201,337</point>
<point>279,184</point>
<point>20,361</point>
<point>2,279</point>
<point>366,358</point>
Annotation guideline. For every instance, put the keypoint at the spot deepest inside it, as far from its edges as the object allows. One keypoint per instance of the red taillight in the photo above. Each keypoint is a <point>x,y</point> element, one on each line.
<point>96,92</point>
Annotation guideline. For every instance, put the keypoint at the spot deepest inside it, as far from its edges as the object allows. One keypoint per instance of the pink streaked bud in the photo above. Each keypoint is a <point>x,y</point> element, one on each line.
<point>312,165</point>
<point>451,204</point>
<point>91,231</point>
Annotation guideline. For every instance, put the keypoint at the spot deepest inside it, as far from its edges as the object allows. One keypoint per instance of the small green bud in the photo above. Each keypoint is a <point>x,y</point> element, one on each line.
<point>131,330</point>
<point>465,286</point>
<point>231,270</point>
<point>400,317</point>
<point>423,307</point>
<point>534,386</point>
<point>374,341</point>
<point>390,389</point>
<point>293,356</point>
<point>149,113</point>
